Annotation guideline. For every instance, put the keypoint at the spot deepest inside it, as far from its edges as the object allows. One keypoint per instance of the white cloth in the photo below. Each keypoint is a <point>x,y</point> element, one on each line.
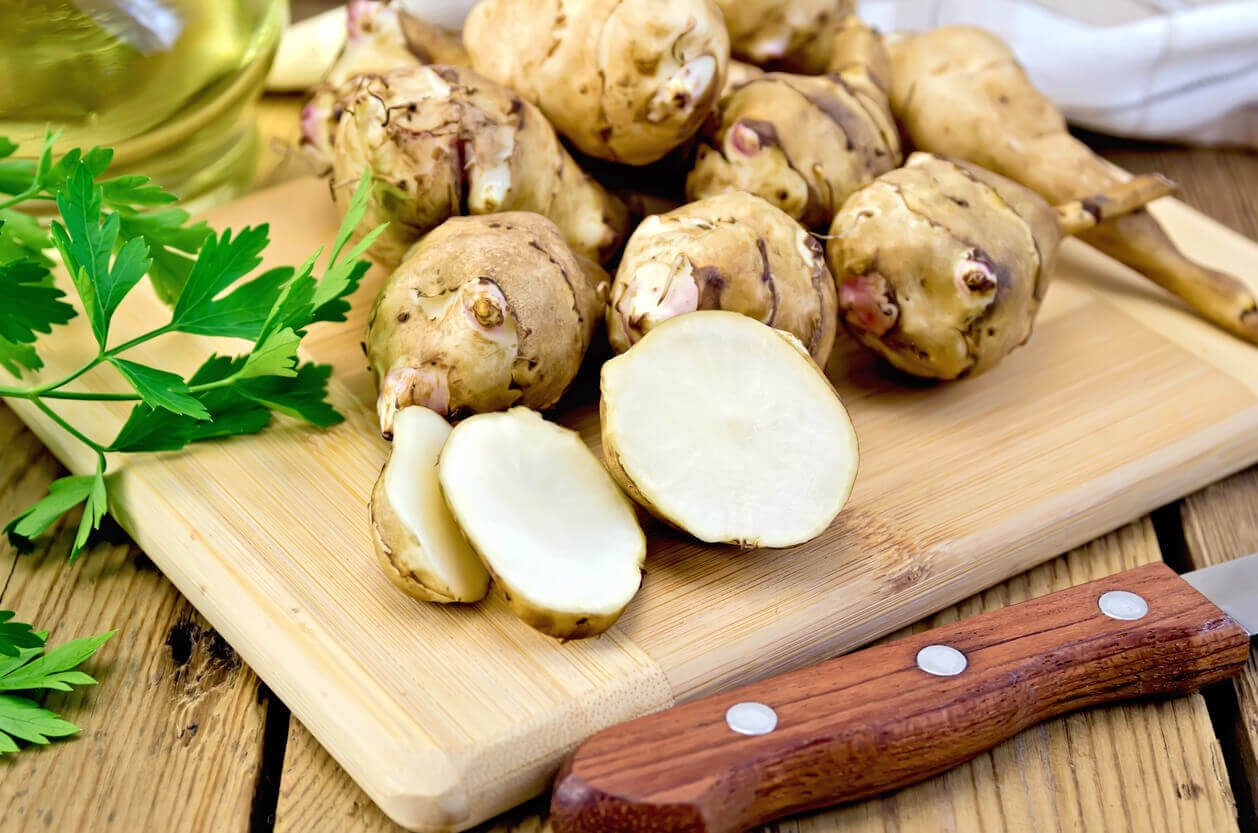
<point>1167,69</point>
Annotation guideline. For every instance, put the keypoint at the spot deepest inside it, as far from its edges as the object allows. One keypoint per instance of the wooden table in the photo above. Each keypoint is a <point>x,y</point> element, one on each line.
<point>181,736</point>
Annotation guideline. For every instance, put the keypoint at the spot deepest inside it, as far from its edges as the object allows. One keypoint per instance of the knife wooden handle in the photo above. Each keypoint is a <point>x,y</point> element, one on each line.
<point>874,720</point>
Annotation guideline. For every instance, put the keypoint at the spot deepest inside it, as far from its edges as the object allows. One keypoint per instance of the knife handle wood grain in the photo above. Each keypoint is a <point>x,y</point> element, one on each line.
<point>874,720</point>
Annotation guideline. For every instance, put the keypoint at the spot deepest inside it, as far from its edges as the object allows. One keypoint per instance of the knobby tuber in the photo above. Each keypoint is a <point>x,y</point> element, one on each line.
<point>725,428</point>
<point>418,542</point>
<point>735,252</point>
<point>624,80</point>
<point>960,92</point>
<point>804,143</point>
<point>942,265</point>
<point>562,542</point>
<point>794,35</point>
<point>442,141</point>
<point>484,313</point>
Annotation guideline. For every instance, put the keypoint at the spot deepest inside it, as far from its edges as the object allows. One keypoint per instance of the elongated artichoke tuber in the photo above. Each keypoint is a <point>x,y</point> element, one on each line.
<point>794,35</point>
<point>959,91</point>
<point>804,143</point>
<point>484,313</point>
<point>442,141</point>
<point>733,252</point>
<point>942,265</point>
<point>625,80</point>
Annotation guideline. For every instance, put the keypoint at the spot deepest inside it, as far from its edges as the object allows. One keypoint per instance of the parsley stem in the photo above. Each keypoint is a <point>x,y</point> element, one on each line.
<point>103,356</point>
<point>71,430</point>
<point>89,396</point>
<point>18,199</point>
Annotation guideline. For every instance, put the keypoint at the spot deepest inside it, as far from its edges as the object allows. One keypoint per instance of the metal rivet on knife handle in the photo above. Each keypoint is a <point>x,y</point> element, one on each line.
<point>941,660</point>
<point>1122,605</point>
<point>751,718</point>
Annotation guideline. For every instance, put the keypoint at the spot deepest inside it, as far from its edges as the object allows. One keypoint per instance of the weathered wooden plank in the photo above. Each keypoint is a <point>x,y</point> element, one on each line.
<point>1100,770</point>
<point>172,736</point>
<point>1221,523</point>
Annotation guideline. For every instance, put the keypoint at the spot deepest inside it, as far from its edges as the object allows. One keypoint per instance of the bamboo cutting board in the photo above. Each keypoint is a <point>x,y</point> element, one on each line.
<point>1120,403</point>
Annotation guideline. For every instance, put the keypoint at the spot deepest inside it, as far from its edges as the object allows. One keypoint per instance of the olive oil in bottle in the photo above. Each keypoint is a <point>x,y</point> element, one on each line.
<point>167,83</point>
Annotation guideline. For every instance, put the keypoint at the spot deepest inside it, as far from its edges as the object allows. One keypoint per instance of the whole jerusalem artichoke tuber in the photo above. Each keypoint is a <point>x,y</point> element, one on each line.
<point>484,313</point>
<point>959,91</point>
<point>942,265</point>
<point>804,143</point>
<point>731,252</point>
<point>442,141</point>
<point>624,80</point>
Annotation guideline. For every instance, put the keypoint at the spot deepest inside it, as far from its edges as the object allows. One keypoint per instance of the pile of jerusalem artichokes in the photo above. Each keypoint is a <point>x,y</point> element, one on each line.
<point>816,176</point>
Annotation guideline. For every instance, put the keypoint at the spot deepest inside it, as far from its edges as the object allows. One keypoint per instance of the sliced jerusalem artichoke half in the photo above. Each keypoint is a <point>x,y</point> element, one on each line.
<point>724,428</point>
<point>420,545</point>
<point>560,539</point>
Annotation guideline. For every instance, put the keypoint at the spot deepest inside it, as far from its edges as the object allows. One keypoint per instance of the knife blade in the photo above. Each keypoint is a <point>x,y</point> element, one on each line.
<point>888,716</point>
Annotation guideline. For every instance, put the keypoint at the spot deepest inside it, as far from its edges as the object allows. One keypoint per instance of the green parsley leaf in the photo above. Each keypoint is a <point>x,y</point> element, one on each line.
<point>16,357</point>
<point>15,636</point>
<point>243,311</point>
<point>94,509</point>
<point>23,238</point>
<point>33,669</point>
<point>64,494</point>
<point>33,305</point>
<point>275,355</point>
<point>161,389</point>
<point>303,396</point>
<point>87,245</point>
<point>26,720</point>
<point>54,669</point>
<point>231,413</point>
<point>134,190</point>
<point>222,261</point>
<point>170,240</point>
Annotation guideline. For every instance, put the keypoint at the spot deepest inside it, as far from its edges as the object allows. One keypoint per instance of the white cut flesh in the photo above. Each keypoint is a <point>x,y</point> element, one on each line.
<point>723,427</point>
<point>419,543</point>
<point>560,539</point>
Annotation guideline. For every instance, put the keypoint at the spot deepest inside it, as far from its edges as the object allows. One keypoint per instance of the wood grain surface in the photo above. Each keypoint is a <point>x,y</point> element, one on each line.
<point>172,735</point>
<point>1151,767</point>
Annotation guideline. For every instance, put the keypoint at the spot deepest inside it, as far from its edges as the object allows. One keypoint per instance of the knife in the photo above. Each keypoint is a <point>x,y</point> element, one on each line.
<point>894,714</point>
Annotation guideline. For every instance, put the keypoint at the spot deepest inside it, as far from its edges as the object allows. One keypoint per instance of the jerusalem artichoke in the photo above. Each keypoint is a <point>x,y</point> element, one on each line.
<point>724,428</point>
<point>734,252</point>
<point>959,91</point>
<point>804,143</point>
<point>442,141</point>
<point>624,80</point>
<point>418,542</point>
<point>793,35</point>
<point>484,313</point>
<point>942,265</point>
<point>562,542</point>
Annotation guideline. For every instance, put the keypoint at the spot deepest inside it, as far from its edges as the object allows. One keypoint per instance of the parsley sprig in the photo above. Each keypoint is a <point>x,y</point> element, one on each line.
<point>26,667</point>
<point>107,246</point>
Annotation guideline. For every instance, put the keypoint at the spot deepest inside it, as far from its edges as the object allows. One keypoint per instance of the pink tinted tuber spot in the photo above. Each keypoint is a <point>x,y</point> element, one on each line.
<point>404,387</point>
<point>312,121</point>
<point>359,15</point>
<point>866,303</point>
<point>743,139</point>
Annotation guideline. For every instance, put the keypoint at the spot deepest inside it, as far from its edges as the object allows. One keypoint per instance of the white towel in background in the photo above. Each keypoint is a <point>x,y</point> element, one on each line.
<point>1183,70</point>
